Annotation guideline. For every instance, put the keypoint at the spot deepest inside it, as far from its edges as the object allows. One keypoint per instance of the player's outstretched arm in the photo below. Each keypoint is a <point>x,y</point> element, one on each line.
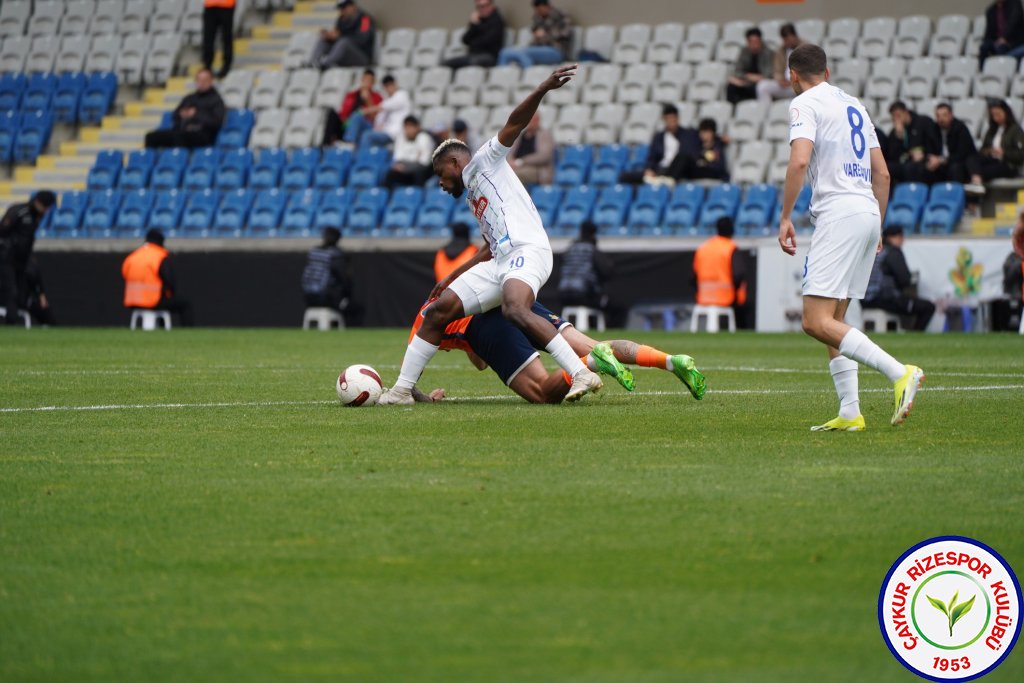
<point>522,114</point>
<point>880,181</point>
<point>799,158</point>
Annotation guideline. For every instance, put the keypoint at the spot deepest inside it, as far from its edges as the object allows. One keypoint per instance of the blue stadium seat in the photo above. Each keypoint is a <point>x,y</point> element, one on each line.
<point>298,172</point>
<point>267,209</point>
<point>366,174</point>
<point>401,211</point>
<point>166,121</point>
<point>332,171</point>
<point>201,169</point>
<point>39,92</point>
<point>306,206</point>
<point>200,208</point>
<point>722,200</point>
<point>907,203</point>
<point>97,97</point>
<point>463,214</point>
<point>547,198</point>
<point>10,121</point>
<point>365,213</point>
<point>67,96</point>
<point>101,212</point>
<point>12,87</point>
<point>684,209</point>
<point>67,217</point>
<point>612,205</point>
<point>944,210</point>
<point>637,158</point>
<point>611,160</point>
<point>236,129</point>
<point>333,209</point>
<point>756,214</point>
<point>576,208</point>
<point>134,213</point>
<point>170,166</point>
<point>573,166</point>
<point>232,213</point>
<point>266,169</point>
<point>436,210</point>
<point>168,206</point>
<point>138,169</point>
<point>802,206</point>
<point>233,169</point>
<point>105,171</point>
<point>33,136</point>
<point>378,155</point>
<point>647,209</point>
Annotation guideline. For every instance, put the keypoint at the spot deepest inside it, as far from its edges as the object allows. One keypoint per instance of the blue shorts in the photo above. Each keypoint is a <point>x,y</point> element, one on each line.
<point>502,345</point>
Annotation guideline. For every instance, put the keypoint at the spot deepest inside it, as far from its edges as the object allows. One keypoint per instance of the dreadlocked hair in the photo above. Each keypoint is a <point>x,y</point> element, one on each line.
<point>449,145</point>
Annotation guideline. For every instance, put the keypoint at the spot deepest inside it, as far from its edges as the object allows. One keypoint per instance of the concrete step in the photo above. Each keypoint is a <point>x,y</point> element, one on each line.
<point>137,123</point>
<point>45,177</point>
<point>54,162</point>
<point>91,149</point>
<point>26,189</point>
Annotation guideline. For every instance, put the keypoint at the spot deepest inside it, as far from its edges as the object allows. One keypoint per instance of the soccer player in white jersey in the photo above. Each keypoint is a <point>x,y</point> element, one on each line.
<point>832,138</point>
<point>511,271</point>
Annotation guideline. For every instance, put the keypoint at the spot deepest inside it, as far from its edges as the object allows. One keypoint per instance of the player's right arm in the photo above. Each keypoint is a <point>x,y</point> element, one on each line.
<point>479,257</point>
<point>880,181</point>
<point>799,157</point>
<point>522,114</point>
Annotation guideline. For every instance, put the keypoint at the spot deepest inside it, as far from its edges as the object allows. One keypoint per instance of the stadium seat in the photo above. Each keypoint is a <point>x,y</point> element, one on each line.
<point>42,54</point>
<point>97,97</point>
<point>839,47</point>
<point>160,59</point>
<point>429,48</point>
<point>605,123</point>
<point>305,128</point>
<point>435,211</point>
<point>234,89</point>
<point>300,210</point>
<point>611,160</point>
<point>722,200</point>
<point>232,213</point>
<point>547,199</point>
<point>665,43</point>
<point>632,43</point>
<point>269,128</point>
<point>138,169</point>
<point>401,210</point>
<point>133,215</point>
<point>332,171</point>
<point>67,95</point>
<point>14,18</point>
<point>433,85</point>
<point>266,94</point>
<point>298,50</point>
<point>267,210</point>
<point>201,169</point>
<point>907,203</point>
<point>332,211</point>
<point>612,205</point>
<point>366,211</point>
<point>168,205</point>
<point>12,87</point>
<point>872,46</point>
<point>602,80</point>
<point>757,212</point>
<point>169,168</point>
<point>76,17</point>
<point>131,58</point>
<point>707,83</point>
<point>334,84</point>
<point>298,92</point>
<point>944,209</point>
<point>10,121</point>
<point>103,54</point>
<point>38,92</point>
<point>33,136</point>
<point>101,212</point>
<point>266,169</point>
<point>636,84</point>
<point>233,170</point>
<point>745,124</point>
<point>599,39</point>
<point>136,14</point>
<point>397,47</point>
<point>575,208</point>
<point>298,172</point>
<point>105,171</point>
<point>637,157</point>
<point>573,165</point>
<point>236,129</point>
<point>14,53</point>
<point>647,209</point>
<point>72,54</point>
<point>684,208</point>
<point>166,16</point>
<point>200,208</point>
<point>67,217</point>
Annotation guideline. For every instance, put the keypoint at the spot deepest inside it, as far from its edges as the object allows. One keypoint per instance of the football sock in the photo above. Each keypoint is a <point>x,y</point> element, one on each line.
<point>858,347</point>
<point>567,377</point>
<point>564,355</point>
<point>589,361</point>
<point>650,357</point>
<point>416,358</point>
<point>844,375</point>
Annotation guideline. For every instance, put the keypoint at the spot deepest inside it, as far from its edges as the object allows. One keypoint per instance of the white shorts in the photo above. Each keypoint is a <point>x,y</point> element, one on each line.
<point>841,257</point>
<point>480,287</point>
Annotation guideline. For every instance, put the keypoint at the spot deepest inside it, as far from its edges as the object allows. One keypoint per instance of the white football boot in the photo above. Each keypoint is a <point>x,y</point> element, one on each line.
<point>396,397</point>
<point>583,382</point>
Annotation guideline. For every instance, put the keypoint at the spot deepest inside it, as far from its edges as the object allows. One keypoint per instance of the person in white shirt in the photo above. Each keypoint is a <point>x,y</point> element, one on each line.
<point>390,117</point>
<point>833,143</point>
<point>511,271</point>
<point>410,162</point>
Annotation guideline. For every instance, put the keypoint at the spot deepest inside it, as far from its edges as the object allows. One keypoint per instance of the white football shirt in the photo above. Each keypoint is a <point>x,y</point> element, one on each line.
<point>508,219</point>
<point>843,137</point>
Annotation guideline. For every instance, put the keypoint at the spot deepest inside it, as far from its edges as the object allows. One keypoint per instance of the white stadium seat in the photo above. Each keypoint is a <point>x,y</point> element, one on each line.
<point>270,125</point>
<point>46,18</point>
<point>268,90</point>
<point>136,16</point>
<point>334,85</point>
<point>811,30</point>
<point>107,18</point>
<point>302,84</point>
<point>304,127</point>
<point>708,82</point>
<point>845,27</point>
<point>103,54</point>
<point>236,86</point>
<point>599,39</point>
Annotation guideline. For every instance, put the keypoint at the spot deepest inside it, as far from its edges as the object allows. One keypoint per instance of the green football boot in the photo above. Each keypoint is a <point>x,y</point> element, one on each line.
<point>608,364</point>
<point>684,368</point>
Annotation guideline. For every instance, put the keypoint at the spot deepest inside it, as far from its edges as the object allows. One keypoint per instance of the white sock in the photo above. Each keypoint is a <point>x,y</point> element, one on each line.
<point>416,358</point>
<point>564,355</point>
<point>844,375</point>
<point>668,364</point>
<point>858,347</point>
<point>591,363</point>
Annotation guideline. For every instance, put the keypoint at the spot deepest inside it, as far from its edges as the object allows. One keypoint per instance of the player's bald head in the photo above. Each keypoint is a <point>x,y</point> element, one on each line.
<point>809,61</point>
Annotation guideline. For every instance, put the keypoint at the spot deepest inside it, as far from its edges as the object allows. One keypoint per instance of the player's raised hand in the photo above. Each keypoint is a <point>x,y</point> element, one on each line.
<point>559,77</point>
<point>787,236</point>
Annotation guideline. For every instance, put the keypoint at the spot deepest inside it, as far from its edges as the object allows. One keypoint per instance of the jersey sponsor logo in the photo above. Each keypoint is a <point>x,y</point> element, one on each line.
<point>479,206</point>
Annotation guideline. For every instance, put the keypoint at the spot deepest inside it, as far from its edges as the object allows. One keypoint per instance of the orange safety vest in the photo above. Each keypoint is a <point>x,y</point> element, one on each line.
<point>444,266</point>
<point>713,265</point>
<point>226,4</point>
<point>141,271</point>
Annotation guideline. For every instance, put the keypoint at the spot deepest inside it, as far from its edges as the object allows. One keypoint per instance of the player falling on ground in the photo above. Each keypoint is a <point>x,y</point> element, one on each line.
<point>832,136</point>
<point>516,264</point>
<point>491,341</point>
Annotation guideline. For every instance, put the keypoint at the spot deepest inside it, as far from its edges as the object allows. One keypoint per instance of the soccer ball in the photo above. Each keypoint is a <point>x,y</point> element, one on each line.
<point>359,385</point>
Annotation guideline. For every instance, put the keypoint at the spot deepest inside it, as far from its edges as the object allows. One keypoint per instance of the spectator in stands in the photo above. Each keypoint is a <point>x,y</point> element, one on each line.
<point>956,147</point>
<point>663,154</point>
<point>585,270</point>
<point>327,277</point>
<point>17,240</point>
<point>388,117</point>
<point>461,131</point>
<point>219,16</point>
<point>752,66</point>
<point>778,86</point>
<point>411,160</point>
<point>1004,30</point>
<point>197,120</point>
<point>1006,315</point>
<point>1002,150</point>
<point>355,101</point>
<point>349,43</point>
<point>149,279</point>
<point>719,272</point>
<point>709,161</point>
<point>484,37</point>
<point>913,137</point>
<point>892,287</point>
<point>533,154</point>
<point>552,38</point>
<point>452,255</point>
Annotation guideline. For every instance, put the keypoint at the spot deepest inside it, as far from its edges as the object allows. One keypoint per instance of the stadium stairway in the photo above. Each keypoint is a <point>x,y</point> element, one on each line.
<point>266,47</point>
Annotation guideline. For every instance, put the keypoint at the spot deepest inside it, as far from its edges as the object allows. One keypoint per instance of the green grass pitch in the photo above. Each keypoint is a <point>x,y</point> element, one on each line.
<point>212,513</point>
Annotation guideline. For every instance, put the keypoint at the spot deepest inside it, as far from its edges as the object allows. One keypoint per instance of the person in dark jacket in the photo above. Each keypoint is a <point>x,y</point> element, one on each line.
<point>664,150</point>
<point>484,37</point>
<point>349,43</point>
<point>34,299</point>
<point>584,271</point>
<point>219,17</point>
<point>892,288</point>
<point>1004,31</point>
<point>708,162</point>
<point>1002,150</point>
<point>913,137</point>
<point>327,278</point>
<point>17,239</point>
<point>552,39</point>
<point>956,147</point>
<point>197,120</point>
<point>754,64</point>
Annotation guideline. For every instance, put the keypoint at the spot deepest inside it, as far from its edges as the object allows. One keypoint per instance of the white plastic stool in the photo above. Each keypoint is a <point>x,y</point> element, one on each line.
<point>712,316</point>
<point>147,318</point>
<point>580,316</point>
<point>322,319</point>
<point>877,320</point>
<point>24,316</point>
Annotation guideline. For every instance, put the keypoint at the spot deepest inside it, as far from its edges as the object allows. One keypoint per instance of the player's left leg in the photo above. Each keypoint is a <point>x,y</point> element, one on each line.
<point>844,376</point>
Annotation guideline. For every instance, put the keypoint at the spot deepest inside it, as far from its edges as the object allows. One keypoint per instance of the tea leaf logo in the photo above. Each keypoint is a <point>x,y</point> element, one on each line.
<point>953,611</point>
